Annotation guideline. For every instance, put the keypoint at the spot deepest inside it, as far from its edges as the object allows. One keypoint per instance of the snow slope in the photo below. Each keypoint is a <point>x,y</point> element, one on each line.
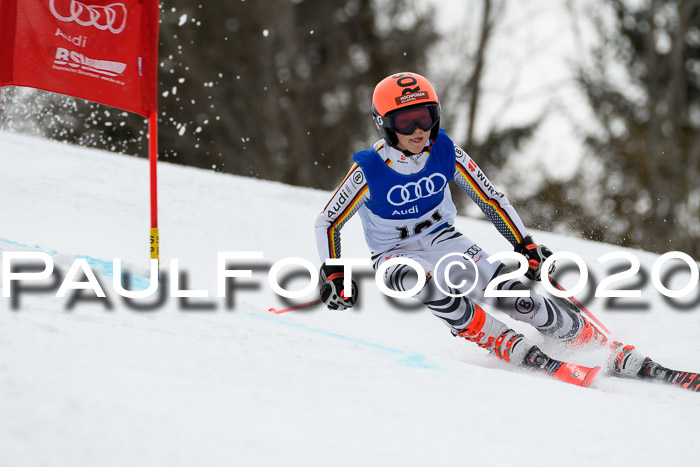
<point>206,382</point>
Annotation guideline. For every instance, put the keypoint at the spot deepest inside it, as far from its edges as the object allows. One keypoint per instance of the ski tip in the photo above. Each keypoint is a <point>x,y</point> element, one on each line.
<point>272,310</point>
<point>590,376</point>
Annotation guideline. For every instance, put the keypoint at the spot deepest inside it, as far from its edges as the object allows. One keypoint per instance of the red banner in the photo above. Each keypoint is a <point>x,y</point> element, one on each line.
<point>104,51</point>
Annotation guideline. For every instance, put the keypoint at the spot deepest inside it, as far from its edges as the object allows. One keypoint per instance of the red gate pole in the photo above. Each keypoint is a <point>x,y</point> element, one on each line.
<point>153,159</point>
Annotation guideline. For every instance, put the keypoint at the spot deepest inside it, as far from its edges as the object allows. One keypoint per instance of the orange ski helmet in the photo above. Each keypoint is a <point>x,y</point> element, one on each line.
<point>403,101</point>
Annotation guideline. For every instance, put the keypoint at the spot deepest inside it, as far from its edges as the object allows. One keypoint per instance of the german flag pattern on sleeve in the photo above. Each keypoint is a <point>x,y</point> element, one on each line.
<point>492,203</point>
<point>352,193</point>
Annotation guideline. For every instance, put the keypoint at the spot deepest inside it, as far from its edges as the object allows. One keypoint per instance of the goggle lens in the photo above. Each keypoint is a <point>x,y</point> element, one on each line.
<point>406,122</point>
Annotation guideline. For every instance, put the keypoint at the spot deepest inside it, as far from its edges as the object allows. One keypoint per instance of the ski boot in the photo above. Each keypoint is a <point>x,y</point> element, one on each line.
<point>568,372</point>
<point>625,360</point>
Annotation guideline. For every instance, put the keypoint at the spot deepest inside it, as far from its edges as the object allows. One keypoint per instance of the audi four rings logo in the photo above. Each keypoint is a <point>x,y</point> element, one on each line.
<point>410,192</point>
<point>110,17</point>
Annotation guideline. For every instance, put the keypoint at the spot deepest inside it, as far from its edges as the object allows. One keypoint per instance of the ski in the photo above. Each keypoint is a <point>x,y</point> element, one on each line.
<point>652,371</point>
<point>577,375</point>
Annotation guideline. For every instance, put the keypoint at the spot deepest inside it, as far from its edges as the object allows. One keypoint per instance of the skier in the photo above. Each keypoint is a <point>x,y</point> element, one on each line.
<point>400,189</point>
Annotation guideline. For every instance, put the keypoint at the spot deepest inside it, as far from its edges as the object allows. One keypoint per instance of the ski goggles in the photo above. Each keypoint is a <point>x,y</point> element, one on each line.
<point>406,121</point>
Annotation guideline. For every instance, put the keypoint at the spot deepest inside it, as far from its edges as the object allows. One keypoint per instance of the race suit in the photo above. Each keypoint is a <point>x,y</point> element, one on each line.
<point>406,208</point>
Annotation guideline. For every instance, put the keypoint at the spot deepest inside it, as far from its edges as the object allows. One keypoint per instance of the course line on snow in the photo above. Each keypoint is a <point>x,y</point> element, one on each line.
<point>103,267</point>
<point>408,359</point>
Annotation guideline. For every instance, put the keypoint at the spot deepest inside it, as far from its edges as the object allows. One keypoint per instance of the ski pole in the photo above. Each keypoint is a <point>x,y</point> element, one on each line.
<point>578,305</point>
<point>295,307</point>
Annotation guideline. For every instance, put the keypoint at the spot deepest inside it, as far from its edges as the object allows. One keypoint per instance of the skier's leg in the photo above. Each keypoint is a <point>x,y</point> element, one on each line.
<point>468,320</point>
<point>567,326</point>
<point>548,316</point>
<point>463,317</point>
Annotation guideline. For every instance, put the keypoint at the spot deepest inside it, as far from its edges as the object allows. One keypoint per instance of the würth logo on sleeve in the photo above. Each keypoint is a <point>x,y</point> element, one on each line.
<point>110,17</point>
<point>414,96</point>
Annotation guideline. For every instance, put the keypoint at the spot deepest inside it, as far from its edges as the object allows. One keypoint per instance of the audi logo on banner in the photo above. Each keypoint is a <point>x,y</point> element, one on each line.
<point>410,192</point>
<point>110,17</point>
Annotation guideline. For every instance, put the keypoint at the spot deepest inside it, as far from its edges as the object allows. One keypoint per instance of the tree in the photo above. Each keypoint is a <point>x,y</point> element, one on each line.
<point>460,79</point>
<point>280,89</point>
<point>644,87</point>
<point>276,89</point>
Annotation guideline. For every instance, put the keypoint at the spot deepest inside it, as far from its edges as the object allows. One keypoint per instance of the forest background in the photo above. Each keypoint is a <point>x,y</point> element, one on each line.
<point>585,112</point>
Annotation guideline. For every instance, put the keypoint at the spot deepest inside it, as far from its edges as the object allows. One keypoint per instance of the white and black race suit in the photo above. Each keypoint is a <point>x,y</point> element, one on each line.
<point>406,208</point>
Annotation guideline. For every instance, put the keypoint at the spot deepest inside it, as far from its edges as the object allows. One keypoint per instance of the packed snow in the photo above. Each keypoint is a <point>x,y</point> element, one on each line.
<point>223,381</point>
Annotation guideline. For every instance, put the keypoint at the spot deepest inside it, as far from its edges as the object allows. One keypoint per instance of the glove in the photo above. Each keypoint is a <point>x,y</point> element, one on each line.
<point>332,292</point>
<point>535,254</point>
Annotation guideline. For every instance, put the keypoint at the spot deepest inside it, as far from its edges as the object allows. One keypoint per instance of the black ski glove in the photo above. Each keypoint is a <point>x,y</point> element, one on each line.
<point>332,292</point>
<point>535,254</point>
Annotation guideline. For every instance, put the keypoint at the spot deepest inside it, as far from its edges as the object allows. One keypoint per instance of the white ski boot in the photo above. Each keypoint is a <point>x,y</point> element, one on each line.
<point>625,360</point>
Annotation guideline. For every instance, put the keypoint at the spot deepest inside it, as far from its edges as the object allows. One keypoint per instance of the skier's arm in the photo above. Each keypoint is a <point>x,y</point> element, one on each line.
<point>352,193</point>
<point>493,203</point>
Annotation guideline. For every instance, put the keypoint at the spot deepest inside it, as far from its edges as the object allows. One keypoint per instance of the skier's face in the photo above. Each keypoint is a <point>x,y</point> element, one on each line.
<point>415,142</point>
